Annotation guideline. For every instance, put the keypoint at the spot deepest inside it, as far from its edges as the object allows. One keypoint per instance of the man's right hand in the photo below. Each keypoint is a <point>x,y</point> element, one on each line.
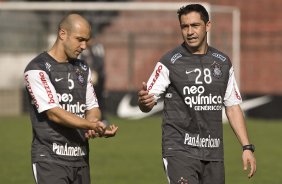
<point>146,101</point>
<point>109,132</point>
<point>99,127</point>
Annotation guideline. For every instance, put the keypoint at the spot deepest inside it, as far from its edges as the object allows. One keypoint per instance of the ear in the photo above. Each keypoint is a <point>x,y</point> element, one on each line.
<point>62,34</point>
<point>208,26</point>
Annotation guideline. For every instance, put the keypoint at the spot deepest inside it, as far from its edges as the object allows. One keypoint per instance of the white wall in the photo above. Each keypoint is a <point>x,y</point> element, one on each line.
<point>11,69</point>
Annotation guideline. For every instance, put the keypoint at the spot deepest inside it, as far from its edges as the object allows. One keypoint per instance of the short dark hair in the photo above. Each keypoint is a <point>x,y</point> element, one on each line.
<point>194,8</point>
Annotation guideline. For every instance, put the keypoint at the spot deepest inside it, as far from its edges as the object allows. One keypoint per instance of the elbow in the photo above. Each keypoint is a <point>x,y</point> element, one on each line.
<point>52,115</point>
<point>233,112</point>
<point>233,109</point>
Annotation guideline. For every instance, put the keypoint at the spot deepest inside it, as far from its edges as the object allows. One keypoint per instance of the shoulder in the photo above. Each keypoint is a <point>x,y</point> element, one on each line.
<point>173,55</point>
<point>38,63</point>
<point>218,55</point>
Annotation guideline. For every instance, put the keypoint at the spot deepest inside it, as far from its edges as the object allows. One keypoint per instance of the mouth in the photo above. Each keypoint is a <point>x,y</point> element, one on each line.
<point>78,52</point>
<point>191,39</point>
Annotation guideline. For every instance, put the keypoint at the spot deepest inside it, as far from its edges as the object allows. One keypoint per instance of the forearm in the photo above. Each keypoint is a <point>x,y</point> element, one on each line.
<point>68,119</point>
<point>93,114</point>
<point>236,119</point>
<point>237,122</point>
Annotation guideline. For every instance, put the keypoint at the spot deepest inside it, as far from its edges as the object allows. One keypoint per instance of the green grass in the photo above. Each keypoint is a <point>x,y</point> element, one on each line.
<point>134,155</point>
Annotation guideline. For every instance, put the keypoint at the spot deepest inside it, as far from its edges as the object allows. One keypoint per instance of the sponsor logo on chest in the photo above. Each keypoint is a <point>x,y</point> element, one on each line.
<point>198,94</point>
<point>66,103</point>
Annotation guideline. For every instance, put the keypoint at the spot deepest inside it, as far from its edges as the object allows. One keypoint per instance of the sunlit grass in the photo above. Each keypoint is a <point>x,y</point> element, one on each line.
<point>134,155</point>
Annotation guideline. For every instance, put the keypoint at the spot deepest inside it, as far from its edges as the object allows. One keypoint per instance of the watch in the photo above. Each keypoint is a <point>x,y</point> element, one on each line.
<point>250,147</point>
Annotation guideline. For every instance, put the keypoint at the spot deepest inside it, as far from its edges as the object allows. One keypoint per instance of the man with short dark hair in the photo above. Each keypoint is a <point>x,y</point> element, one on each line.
<point>196,81</point>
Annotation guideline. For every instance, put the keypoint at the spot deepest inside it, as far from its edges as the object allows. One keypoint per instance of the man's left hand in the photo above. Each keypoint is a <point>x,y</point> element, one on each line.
<point>249,159</point>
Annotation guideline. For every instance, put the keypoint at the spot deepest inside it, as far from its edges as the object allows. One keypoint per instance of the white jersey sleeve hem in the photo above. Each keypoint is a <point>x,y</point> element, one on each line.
<point>158,81</point>
<point>91,98</point>
<point>41,90</point>
<point>232,94</point>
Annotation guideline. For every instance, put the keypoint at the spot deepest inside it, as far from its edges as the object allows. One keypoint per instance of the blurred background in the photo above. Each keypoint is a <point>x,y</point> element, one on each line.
<point>129,37</point>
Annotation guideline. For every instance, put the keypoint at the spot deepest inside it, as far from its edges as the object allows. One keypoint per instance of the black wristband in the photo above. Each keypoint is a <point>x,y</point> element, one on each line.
<point>250,147</point>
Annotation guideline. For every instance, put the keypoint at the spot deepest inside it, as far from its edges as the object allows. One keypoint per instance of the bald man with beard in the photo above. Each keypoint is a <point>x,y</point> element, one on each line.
<point>64,109</point>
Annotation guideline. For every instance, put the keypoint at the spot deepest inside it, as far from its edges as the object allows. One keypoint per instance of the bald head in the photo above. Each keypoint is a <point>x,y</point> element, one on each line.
<point>73,21</point>
<point>74,31</point>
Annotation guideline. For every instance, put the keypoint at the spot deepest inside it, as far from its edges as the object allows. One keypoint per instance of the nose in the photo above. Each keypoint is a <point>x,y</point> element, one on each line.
<point>83,45</point>
<point>189,30</point>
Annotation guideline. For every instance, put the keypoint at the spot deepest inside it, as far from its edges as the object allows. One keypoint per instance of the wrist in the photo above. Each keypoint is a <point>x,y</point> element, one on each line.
<point>250,147</point>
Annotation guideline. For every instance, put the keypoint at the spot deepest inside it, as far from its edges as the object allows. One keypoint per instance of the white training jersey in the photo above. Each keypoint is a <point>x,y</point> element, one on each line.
<point>195,88</point>
<point>68,86</point>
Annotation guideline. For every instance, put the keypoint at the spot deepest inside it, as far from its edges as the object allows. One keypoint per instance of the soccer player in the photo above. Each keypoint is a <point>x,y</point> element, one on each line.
<point>64,109</point>
<point>196,81</point>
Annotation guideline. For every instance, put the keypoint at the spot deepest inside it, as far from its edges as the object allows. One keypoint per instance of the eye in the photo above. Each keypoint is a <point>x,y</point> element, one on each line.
<point>80,39</point>
<point>183,26</point>
<point>197,25</point>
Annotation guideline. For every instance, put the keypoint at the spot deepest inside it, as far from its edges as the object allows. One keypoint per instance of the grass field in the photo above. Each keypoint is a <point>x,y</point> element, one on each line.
<point>134,155</point>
